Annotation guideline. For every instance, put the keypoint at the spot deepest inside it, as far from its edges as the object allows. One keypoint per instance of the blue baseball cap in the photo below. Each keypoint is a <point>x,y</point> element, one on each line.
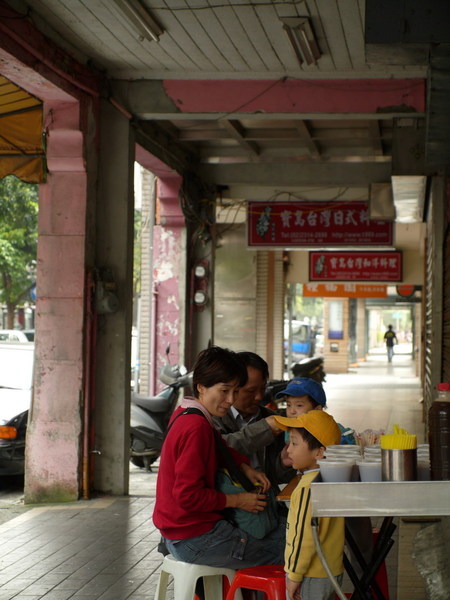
<point>303,386</point>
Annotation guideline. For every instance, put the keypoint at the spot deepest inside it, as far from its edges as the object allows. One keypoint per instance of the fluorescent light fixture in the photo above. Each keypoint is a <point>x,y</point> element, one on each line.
<point>302,38</point>
<point>139,16</point>
<point>409,197</point>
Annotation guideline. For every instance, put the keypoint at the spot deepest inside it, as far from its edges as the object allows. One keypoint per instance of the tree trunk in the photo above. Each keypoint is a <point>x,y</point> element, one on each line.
<point>11,309</point>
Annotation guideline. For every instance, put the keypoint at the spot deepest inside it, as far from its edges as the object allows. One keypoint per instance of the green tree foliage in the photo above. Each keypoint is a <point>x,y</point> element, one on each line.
<point>18,242</point>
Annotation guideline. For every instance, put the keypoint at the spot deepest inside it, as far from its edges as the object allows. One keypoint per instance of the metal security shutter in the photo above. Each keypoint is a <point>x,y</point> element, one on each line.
<point>446,311</point>
<point>434,291</point>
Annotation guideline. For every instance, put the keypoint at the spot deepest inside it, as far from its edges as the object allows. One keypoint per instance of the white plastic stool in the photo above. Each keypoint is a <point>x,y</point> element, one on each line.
<point>185,576</point>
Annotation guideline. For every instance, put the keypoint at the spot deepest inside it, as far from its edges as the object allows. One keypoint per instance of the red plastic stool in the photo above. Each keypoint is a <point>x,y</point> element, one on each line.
<point>270,579</point>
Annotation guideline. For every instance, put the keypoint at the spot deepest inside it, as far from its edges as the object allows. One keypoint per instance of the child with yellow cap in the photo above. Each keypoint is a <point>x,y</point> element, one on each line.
<point>306,578</point>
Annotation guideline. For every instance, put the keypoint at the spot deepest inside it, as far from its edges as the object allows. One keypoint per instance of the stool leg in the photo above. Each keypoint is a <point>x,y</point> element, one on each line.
<point>227,581</point>
<point>161,588</point>
<point>213,587</point>
<point>277,591</point>
<point>184,590</point>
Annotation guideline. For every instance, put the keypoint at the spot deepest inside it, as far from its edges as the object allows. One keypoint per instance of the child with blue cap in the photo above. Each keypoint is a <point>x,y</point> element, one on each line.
<point>302,395</point>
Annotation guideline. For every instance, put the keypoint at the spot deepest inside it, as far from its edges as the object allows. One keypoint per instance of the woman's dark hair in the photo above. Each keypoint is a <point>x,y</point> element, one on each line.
<point>311,441</point>
<point>250,359</point>
<point>218,365</point>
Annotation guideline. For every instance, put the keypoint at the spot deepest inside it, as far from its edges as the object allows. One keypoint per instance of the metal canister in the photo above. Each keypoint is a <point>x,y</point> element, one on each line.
<point>398,465</point>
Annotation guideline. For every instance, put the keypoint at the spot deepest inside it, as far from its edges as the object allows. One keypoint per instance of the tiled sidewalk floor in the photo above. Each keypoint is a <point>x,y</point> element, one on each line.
<point>102,549</point>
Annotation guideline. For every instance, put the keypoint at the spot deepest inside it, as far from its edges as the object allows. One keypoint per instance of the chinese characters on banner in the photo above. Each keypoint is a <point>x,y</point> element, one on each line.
<point>310,224</point>
<point>355,266</point>
<point>344,290</point>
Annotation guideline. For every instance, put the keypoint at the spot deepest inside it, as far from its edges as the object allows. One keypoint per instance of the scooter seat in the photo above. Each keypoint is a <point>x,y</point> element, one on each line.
<point>154,404</point>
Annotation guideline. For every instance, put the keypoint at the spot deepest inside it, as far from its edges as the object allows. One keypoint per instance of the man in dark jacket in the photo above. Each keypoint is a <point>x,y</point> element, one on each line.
<point>251,428</point>
<point>390,339</point>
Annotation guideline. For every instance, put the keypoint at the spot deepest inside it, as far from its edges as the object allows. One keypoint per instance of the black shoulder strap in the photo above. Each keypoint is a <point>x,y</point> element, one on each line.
<point>222,449</point>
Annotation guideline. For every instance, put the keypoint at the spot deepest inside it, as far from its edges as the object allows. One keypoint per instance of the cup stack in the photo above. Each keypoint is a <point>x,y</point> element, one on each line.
<point>339,463</point>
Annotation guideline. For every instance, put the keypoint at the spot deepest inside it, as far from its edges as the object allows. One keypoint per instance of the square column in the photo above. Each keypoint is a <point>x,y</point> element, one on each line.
<point>114,253</point>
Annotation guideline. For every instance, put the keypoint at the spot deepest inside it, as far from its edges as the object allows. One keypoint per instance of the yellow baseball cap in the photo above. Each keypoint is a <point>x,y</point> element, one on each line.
<point>319,424</point>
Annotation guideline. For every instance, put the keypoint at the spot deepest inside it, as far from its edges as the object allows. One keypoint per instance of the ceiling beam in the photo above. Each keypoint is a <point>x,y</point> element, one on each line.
<point>375,136</point>
<point>306,137</point>
<point>164,147</point>
<point>297,173</point>
<point>178,99</point>
<point>237,132</point>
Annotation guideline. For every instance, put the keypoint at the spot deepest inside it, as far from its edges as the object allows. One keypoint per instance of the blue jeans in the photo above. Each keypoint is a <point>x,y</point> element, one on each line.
<point>230,547</point>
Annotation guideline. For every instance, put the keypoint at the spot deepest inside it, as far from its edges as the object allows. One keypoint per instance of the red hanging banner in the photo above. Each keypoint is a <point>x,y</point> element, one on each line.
<point>355,266</point>
<point>312,224</point>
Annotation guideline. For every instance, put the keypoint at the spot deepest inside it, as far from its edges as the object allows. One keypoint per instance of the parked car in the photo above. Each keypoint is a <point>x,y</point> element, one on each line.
<point>14,405</point>
<point>13,335</point>
<point>30,334</point>
<point>16,380</point>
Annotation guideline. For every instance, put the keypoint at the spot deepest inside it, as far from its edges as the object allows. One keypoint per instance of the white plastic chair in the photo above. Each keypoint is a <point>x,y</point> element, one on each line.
<point>185,576</point>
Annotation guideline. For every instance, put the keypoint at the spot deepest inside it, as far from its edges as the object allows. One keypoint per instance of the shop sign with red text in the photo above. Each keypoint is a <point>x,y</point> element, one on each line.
<point>355,266</point>
<point>312,224</point>
<point>344,290</point>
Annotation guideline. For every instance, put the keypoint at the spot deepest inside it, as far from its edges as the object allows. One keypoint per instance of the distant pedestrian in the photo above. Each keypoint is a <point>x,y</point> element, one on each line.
<point>390,339</point>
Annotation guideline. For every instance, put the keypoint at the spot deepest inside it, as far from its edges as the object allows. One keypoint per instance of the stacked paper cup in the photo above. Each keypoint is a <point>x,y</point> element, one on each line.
<point>372,452</point>
<point>339,463</point>
<point>370,466</point>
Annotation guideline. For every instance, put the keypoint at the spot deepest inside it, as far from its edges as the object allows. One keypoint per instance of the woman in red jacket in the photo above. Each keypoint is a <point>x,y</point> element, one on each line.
<point>188,509</point>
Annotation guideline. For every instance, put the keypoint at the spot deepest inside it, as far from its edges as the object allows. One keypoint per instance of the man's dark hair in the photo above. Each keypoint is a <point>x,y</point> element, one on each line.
<point>218,365</point>
<point>312,442</point>
<point>250,359</point>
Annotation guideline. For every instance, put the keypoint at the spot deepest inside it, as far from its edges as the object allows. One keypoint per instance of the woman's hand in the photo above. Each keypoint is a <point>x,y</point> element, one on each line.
<point>292,589</point>
<point>257,477</point>
<point>249,501</point>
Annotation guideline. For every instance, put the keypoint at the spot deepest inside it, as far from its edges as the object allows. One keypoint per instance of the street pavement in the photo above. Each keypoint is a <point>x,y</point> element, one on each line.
<point>142,483</point>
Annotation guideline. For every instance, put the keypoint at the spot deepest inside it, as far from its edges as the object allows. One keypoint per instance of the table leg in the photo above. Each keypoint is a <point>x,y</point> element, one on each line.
<point>382,547</point>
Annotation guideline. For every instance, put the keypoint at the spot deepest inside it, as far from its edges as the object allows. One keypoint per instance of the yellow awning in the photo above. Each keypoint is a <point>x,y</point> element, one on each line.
<point>22,151</point>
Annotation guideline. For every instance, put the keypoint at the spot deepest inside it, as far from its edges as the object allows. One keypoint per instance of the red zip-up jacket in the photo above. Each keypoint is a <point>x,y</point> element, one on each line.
<point>187,503</point>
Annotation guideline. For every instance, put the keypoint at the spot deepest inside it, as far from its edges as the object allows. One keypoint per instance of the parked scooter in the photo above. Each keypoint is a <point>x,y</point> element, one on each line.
<point>150,415</point>
<point>313,368</point>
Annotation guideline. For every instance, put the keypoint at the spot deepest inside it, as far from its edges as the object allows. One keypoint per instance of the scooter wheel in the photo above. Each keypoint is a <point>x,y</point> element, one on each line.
<point>143,462</point>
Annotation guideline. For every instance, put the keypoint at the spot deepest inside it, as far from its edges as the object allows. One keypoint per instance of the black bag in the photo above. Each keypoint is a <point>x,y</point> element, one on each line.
<point>162,548</point>
<point>257,524</point>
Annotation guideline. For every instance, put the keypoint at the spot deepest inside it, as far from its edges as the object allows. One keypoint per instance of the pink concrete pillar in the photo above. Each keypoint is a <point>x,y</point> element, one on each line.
<point>169,255</point>
<point>54,428</point>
